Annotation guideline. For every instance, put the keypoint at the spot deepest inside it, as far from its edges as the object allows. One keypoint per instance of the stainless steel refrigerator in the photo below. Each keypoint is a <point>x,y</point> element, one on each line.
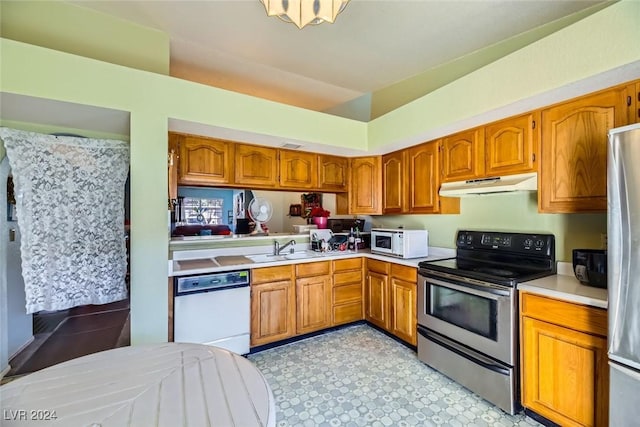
<point>623,186</point>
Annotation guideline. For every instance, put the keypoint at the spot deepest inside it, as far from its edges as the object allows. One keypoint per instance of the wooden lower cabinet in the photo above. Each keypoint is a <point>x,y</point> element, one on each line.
<point>313,297</point>
<point>347,301</point>
<point>273,304</point>
<point>391,299</point>
<point>377,299</point>
<point>565,376</point>
<point>403,303</point>
<point>298,299</point>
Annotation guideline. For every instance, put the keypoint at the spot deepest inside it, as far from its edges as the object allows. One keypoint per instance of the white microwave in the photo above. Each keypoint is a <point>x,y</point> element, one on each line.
<point>399,242</point>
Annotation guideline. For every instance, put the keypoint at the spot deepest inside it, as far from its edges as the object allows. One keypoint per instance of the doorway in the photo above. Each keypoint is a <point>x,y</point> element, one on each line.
<point>32,342</point>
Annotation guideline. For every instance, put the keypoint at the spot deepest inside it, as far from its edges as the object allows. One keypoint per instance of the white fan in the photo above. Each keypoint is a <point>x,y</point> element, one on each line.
<point>260,211</point>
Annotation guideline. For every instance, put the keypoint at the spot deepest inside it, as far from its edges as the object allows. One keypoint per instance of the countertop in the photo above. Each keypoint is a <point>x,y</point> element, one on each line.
<point>565,286</point>
<point>203,261</point>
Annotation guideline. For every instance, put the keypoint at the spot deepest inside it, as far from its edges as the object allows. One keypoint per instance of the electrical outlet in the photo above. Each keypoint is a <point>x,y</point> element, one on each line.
<point>603,240</point>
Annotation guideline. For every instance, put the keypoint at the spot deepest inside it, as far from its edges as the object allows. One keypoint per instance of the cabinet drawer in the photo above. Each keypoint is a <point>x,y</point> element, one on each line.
<point>346,313</point>
<point>582,318</point>
<point>347,264</point>
<point>381,267</point>
<point>312,269</point>
<point>347,277</point>
<point>271,274</point>
<point>347,293</point>
<point>402,272</point>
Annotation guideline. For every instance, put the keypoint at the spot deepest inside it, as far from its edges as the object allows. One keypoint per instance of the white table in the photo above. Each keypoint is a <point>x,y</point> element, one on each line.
<point>169,384</point>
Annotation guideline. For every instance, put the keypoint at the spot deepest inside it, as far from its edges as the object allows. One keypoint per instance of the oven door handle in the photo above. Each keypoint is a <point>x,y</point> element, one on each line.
<point>476,358</point>
<point>479,290</point>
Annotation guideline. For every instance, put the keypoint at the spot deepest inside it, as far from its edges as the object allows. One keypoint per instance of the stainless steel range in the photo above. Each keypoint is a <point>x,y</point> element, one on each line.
<point>468,310</point>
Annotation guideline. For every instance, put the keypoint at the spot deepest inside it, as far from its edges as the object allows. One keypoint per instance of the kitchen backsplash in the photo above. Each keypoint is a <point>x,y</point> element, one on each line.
<point>517,212</point>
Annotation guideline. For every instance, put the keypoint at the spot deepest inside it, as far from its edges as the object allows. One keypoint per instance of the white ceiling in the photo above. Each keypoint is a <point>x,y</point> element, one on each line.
<point>373,44</point>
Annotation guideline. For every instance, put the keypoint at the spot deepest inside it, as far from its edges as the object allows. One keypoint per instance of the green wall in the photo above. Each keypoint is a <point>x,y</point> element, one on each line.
<point>507,212</point>
<point>84,32</point>
<point>601,42</point>
<point>152,99</point>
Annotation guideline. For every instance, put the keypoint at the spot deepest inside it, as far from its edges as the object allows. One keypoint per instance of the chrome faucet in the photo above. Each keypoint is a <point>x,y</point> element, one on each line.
<point>277,248</point>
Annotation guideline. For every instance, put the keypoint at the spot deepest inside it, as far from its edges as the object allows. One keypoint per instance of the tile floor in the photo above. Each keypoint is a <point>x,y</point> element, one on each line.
<point>357,376</point>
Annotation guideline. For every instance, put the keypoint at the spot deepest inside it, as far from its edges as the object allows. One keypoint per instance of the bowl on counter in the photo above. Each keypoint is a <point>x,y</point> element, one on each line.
<point>590,267</point>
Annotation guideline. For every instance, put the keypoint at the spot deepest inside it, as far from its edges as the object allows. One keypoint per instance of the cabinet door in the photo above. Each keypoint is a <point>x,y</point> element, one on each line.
<point>204,161</point>
<point>255,166</point>
<point>573,172</point>
<point>365,193</point>
<point>332,172</point>
<point>511,145</point>
<point>403,310</point>
<point>424,181</point>
<point>273,312</point>
<point>298,169</point>
<point>565,374</point>
<point>394,182</point>
<point>377,299</point>
<point>463,156</point>
<point>313,296</point>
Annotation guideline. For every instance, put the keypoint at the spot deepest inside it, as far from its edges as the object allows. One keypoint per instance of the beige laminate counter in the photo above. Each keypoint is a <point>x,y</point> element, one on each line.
<point>566,287</point>
<point>207,263</point>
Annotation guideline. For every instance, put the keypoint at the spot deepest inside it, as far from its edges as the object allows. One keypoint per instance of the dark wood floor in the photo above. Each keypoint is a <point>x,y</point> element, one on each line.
<point>68,334</point>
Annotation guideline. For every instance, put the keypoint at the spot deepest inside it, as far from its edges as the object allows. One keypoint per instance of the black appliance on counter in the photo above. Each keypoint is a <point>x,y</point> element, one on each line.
<point>468,310</point>
<point>590,267</point>
<point>338,225</point>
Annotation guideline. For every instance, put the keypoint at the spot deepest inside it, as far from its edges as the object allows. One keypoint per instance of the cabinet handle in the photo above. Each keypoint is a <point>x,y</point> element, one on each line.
<point>533,156</point>
<point>629,101</point>
<point>533,124</point>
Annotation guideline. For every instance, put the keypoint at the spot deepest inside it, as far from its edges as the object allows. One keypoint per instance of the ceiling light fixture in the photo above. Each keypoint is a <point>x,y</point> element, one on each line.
<point>303,12</point>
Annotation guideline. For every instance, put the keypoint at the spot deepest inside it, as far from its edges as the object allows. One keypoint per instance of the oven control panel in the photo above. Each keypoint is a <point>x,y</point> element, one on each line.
<point>542,244</point>
<point>496,240</point>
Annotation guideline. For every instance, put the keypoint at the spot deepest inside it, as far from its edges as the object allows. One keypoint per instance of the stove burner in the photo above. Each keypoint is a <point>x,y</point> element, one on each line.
<point>495,271</point>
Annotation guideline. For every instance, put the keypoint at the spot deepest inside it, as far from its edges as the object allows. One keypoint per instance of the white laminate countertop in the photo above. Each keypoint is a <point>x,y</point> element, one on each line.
<point>186,263</point>
<point>565,286</point>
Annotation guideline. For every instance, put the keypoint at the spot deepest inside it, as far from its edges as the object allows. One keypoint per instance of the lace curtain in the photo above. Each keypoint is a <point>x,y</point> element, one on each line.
<point>70,208</point>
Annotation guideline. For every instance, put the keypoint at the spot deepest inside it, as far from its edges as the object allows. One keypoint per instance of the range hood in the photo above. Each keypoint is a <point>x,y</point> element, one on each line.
<point>498,184</point>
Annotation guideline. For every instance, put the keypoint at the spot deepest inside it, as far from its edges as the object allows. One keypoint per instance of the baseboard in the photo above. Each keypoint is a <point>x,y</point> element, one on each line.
<point>539,418</point>
<point>5,371</point>
<point>22,347</point>
<point>263,347</point>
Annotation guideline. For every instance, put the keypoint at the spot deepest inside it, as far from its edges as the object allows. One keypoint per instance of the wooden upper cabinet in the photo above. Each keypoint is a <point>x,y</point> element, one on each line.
<point>463,155</point>
<point>333,172</point>
<point>424,181</point>
<point>511,145</point>
<point>394,182</point>
<point>365,195</point>
<point>573,171</point>
<point>298,169</point>
<point>255,166</point>
<point>203,161</point>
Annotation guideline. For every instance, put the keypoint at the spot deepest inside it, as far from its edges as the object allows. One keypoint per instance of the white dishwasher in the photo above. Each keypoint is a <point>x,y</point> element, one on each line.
<point>213,309</point>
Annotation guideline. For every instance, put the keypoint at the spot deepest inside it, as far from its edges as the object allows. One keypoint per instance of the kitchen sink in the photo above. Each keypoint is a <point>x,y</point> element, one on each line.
<point>282,257</point>
<point>266,258</point>
<point>301,255</point>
